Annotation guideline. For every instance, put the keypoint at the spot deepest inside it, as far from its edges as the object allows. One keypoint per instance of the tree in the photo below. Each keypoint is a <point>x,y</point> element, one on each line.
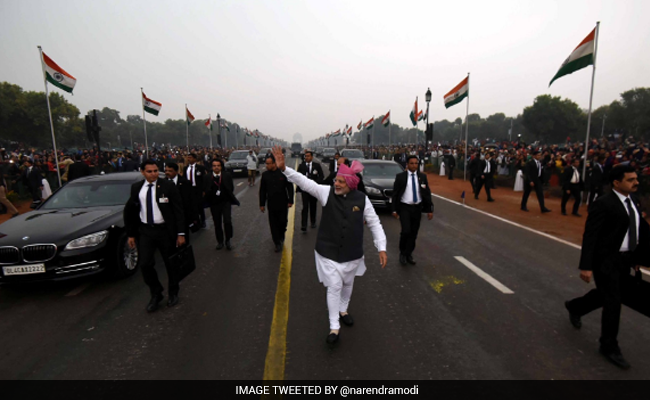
<point>552,120</point>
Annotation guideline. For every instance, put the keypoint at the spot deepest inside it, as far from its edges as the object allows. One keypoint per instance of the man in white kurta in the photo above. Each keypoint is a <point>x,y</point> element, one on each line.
<point>337,276</point>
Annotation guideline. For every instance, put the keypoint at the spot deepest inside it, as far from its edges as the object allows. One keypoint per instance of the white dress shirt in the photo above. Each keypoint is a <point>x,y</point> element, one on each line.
<point>625,246</point>
<point>157,215</point>
<point>191,174</point>
<point>487,167</point>
<point>407,197</point>
<point>175,180</point>
<point>576,176</point>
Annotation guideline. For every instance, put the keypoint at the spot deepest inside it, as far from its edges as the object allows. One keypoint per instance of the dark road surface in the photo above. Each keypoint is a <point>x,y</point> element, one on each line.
<point>435,320</point>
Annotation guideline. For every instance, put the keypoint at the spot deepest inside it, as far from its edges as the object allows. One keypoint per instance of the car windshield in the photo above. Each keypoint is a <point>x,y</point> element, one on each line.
<point>352,154</point>
<point>90,194</point>
<point>264,151</point>
<point>238,156</point>
<point>381,171</point>
<point>329,151</point>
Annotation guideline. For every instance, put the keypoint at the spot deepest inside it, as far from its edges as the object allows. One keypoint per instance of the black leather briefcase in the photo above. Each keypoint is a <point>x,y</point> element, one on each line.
<point>636,294</point>
<point>183,262</point>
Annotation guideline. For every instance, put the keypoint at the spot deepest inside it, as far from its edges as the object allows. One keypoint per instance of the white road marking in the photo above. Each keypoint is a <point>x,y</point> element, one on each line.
<point>78,289</point>
<point>239,184</point>
<point>575,246</point>
<point>484,275</point>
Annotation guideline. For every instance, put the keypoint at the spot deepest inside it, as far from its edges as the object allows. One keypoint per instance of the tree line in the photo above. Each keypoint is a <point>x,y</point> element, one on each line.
<point>549,120</point>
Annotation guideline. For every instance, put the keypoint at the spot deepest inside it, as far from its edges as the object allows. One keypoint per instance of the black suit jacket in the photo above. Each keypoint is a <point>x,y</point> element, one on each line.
<point>606,227</point>
<point>200,173</point>
<point>275,190</point>
<point>531,172</point>
<point>596,177</point>
<point>77,170</point>
<point>450,161</point>
<point>227,189</point>
<point>474,165</point>
<point>481,167</point>
<point>401,160</point>
<point>34,179</point>
<point>567,175</point>
<point>130,166</point>
<point>316,172</point>
<point>399,187</point>
<point>190,211</point>
<point>172,210</point>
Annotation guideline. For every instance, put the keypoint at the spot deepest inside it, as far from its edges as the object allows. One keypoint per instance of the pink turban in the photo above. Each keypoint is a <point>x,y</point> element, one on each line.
<point>350,174</point>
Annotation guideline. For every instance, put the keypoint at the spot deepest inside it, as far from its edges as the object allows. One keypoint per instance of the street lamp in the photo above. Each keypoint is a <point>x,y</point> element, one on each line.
<point>427,97</point>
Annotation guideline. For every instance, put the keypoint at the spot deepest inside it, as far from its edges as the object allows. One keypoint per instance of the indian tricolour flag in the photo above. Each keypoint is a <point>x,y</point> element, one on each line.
<point>150,106</point>
<point>360,125</point>
<point>414,113</point>
<point>386,120</point>
<point>208,123</point>
<point>188,116</point>
<point>370,123</point>
<point>457,94</point>
<point>581,57</point>
<point>57,75</point>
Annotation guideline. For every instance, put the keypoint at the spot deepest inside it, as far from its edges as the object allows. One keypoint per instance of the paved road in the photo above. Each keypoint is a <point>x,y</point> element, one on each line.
<point>436,320</point>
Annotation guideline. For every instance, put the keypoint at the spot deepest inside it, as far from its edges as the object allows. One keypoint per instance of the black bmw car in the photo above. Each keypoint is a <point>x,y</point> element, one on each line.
<point>379,178</point>
<point>78,231</point>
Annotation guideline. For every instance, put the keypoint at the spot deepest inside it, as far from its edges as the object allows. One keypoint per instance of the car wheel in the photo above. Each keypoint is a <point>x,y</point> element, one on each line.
<point>127,258</point>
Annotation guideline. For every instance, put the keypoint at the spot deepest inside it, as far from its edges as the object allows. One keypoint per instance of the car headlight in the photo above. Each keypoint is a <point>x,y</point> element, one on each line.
<point>373,191</point>
<point>87,241</point>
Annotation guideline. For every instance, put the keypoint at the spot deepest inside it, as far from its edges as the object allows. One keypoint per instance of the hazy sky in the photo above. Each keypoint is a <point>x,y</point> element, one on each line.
<point>313,66</point>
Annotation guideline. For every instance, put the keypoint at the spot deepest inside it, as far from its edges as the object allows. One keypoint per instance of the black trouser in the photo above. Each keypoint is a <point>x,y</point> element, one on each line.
<point>222,214</point>
<point>309,203</point>
<point>409,218</point>
<point>472,179</point>
<point>487,182</point>
<point>540,194</point>
<point>613,287</point>
<point>152,238</point>
<point>574,191</point>
<point>278,217</point>
<point>450,173</point>
<point>197,195</point>
<point>593,191</point>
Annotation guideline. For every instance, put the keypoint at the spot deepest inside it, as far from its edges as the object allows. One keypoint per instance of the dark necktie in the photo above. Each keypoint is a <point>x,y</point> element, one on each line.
<point>150,204</point>
<point>631,244</point>
<point>414,188</point>
<point>192,174</point>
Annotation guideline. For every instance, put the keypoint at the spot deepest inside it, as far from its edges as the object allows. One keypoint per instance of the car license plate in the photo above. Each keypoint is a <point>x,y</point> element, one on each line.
<point>24,269</point>
<point>236,170</point>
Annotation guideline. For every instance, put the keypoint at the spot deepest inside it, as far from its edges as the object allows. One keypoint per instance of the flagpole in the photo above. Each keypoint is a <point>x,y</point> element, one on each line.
<point>49,111</point>
<point>591,98</point>
<point>144,120</point>
<point>187,128</point>
<point>373,137</point>
<point>466,131</point>
<point>210,129</point>
<point>389,128</point>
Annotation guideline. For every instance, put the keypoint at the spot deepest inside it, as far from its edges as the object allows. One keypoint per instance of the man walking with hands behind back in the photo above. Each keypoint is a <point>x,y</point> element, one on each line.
<point>411,198</point>
<point>154,215</point>
<point>616,239</point>
<point>196,174</point>
<point>277,192</point>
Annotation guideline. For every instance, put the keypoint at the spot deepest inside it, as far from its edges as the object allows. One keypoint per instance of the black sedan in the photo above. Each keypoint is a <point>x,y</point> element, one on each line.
<point>379,178</point>
<point>237,163</point>
<point>78,231</point>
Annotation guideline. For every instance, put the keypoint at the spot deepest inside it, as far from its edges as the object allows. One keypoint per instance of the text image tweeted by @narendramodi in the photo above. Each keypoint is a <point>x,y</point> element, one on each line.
<point>343,391</point>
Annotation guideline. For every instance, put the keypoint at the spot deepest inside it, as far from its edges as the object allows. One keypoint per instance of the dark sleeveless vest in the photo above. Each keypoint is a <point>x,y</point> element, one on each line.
<point>340,235</point>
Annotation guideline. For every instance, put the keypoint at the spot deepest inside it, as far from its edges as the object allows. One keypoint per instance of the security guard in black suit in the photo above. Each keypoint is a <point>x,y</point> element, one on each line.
<point>616,239</point>
<point>572,186</point>
<point>411,198</point>
<point>185,190</point>
<point>533,179</point>
<point>196,174</point>
<point>33,179</point>
<point>78,169</point>
<point>154,216</point>
<point>485,176</point>
<point>313,171</point>
<point>277,192</point>
<point>219,192</point>
<point>596,179</point>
